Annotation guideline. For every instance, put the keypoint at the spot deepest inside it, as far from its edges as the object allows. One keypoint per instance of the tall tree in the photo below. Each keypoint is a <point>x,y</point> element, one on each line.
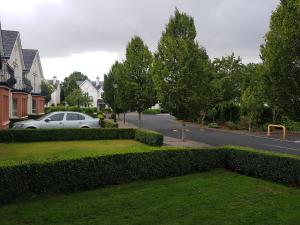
<point>77,98</point>
<point>69,84</point>
<point>138,76</point>
<point>115,90</point>
<point>180,70</point>
<point>46,90</point>
<point>281,58</point>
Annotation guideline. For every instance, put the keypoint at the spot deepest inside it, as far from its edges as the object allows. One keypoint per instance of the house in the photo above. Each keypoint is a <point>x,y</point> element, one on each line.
<point>94,89</point>
<point>20,79</point>
<point>55,96</point>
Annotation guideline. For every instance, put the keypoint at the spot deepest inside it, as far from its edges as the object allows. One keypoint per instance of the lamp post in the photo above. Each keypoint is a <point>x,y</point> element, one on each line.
<point>115,105</point>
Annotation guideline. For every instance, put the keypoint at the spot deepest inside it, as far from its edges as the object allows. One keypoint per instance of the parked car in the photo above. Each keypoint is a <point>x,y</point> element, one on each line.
<point>60,119</point>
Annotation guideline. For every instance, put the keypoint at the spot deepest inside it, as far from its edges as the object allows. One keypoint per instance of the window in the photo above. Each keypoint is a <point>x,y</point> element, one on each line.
<point>75,116</point>
<point>57,117</point>
<point>33,106</point>
<point>14,107</point>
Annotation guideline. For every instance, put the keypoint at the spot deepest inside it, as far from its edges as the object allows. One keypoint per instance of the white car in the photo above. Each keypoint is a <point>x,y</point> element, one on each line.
<point>62,119</point>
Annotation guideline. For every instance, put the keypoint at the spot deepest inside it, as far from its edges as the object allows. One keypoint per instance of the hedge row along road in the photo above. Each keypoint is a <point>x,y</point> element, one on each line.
<point>166,125</point>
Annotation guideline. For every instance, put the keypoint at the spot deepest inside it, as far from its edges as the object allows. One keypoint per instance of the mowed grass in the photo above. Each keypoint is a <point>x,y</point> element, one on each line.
<point>18,153</point>
<point>213,198</point>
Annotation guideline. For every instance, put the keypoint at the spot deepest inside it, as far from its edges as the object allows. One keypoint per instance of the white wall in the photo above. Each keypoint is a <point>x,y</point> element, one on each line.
<point>87,87</point>
<point>16,56</point>
<point>35,75</point>
<point>55,96</point>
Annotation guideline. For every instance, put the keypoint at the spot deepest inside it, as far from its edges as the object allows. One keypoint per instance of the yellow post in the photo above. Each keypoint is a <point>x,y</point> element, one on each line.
<point>270,126</point>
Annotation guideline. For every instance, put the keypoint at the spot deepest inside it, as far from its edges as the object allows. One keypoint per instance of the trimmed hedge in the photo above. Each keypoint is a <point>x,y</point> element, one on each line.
<point>149,137</point>
<point>31,135</point>
<point>87,173</point>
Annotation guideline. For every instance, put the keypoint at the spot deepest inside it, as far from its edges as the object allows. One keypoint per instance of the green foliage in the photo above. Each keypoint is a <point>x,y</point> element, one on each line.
<point>30,135</point>
<point>46,90</point>
<point>149,137</point>
<point>291,125</point>
<point>151,111</point>
<point>77,98</point>
<point>91,111</point>
<point>87,173</point>
<point>138,77</point>
<point>231,125</point>
<point>213,125</point>
<point>69,84</point>
<point>181,69</point>
<point>108,124</point>
<point>280,55</point>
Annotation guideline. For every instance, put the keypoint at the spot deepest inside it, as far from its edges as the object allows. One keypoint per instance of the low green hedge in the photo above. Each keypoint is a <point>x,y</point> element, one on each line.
<point>30,135</point>
<point>87,173</point>
<point>149,137</point>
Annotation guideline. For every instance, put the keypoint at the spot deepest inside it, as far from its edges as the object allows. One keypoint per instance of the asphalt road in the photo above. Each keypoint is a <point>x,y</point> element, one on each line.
<point>166,125</point>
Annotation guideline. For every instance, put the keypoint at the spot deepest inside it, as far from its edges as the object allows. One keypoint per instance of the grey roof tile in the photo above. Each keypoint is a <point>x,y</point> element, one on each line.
<point>9,38</point>
<point>28,56</point>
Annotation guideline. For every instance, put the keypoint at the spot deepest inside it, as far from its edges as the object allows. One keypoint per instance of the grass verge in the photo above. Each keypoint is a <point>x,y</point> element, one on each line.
<point>217,197</point>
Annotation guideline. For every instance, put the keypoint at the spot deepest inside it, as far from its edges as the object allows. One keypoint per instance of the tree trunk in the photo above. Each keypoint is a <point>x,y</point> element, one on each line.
<point>124,117</point>
<point>273,115</point>
<point>140,120</point>
<point>183,131</point>
<point>249,125</point>
<point>203,118</point>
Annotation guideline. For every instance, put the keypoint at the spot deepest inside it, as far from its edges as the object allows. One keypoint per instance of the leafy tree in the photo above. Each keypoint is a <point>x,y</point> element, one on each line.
<point>180,70</point>
<point>69,84</point>
<point>138,77</point>
<point>116,97</point>
<point>281,59</point>
<point>77,98</point>
<point>228,81</point>
<point>46,90</point>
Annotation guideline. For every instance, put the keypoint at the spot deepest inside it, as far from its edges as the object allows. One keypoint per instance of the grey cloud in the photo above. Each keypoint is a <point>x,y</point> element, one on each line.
<point>223,26</point>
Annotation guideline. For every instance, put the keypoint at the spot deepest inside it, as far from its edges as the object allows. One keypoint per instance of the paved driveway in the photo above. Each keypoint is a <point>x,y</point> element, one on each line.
<point>166,125</point>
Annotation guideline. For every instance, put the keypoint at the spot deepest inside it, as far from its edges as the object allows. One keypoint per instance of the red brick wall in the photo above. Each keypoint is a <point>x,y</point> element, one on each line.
<point>22,106</point>
<point>4,107</point>
<point>40,102</point>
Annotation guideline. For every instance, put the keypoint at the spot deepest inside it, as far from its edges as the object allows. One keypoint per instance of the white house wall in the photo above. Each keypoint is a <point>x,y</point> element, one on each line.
<point>87,87</point>
<point>16,62</point>
<point>35,75</point>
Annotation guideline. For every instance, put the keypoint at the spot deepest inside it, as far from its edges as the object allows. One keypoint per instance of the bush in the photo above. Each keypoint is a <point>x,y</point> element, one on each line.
<point>108,124</point>
<point>149,137</point>
<point>34,116</point>
<point>151,111</point>
<point>15,120</point>
<point>232,125</point>
<point>87,173</point>
<point>91,111</point>
<point>213,125</point>
<point>31,135</point>
<point>291,125</point>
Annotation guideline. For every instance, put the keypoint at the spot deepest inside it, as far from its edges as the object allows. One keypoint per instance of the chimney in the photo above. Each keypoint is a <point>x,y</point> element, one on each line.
<point>97,81</point>
<point>54,80</point>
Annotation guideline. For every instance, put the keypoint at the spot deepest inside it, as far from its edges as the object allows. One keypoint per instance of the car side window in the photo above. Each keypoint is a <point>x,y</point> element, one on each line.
<point>57,117</point>
<point>75,116</point>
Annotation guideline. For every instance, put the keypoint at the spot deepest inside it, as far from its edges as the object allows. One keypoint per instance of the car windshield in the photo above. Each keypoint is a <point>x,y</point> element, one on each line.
<point>42,117</point>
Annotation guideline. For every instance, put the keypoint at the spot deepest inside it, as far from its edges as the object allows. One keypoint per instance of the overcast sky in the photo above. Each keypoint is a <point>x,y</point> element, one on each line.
<point>89,35</point>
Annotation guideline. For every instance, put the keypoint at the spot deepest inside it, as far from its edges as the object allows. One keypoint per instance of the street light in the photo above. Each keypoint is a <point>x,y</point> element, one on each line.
<point>115,105</point>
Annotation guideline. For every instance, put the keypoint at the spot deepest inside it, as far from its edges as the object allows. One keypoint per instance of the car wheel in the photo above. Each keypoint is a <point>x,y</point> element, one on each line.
<point>85,127</point>
<point>31,128</point>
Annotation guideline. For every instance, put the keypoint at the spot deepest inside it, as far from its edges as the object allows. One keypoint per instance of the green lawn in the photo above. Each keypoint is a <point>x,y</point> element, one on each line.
<point>16,153</point>
<point>212,198</point>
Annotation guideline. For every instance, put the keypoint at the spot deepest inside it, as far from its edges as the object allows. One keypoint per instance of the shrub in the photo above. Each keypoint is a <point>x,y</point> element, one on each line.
<point>87,173</point>
<point>149,137</point>
<point>232,125</point>
<point>108,124</point>
<point>31,135</point>
<point>291,125</point>
<point>213,125</point>
<point>151,111</point>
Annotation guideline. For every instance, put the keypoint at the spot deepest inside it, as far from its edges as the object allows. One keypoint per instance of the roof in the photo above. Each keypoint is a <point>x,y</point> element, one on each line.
<point>9,38</point>
<point>79,82</point>
<point>28,56</point>
<point>99,86</point>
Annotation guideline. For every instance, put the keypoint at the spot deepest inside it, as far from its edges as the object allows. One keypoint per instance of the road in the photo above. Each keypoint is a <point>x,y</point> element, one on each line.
<point>166,125</point>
